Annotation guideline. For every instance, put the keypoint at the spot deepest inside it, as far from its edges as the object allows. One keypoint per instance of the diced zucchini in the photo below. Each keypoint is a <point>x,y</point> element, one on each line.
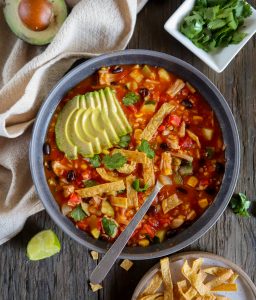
<point>143,242</point>
<point>177,179</point>
<point>107,209</point>
<point>209,152</point>
<point>132,85</point>
<point>164,75</point>
<point>192,181</point>
<point>110,226</point>
<point>148,107</point>
<point>161,234</point>
<point>148,73</point>
<point>207,133</point>
<point>186,169</point>
<point>136,75</point>
<point>95,233</point>
<point>85,208</point>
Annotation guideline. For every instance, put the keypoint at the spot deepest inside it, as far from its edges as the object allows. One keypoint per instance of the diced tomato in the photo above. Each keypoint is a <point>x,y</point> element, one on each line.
<point>153,222</point>
<point>83,225</point>
<point>204,182</point>
<point>147,229</point>
<point>132,108</point>
<point>161,128</point>
<point>186,142</point>
<point>74,199</point>
<point>174,120</point>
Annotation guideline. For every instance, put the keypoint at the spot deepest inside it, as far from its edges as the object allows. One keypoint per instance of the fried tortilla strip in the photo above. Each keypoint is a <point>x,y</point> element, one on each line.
<point>222,298</point>
<point>170,203</point>
<point>220,279</point>
<point>233,278</point>
<point>153,285</point>
<point>167,278</point>
<point>126,264</point>
<point>95,287</point>
<point>132,195</point>
<point>108,176</point>
<point>182,156</point>
<point>119,201</point>
<point>127,168</point>
<point>217,271</point>
<point>226,287</point>
<point>101,189</point>
<point>95,255</point>
<point>136,156</point>
<point>186,293</point>
<point>194,137</point>
<point>156,121</point>
<point>151,297</point>
<point>148,172</point>
<point>196,277</point>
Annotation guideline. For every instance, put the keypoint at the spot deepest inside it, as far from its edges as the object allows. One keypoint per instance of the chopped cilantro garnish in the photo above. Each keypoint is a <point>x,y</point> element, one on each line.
<point>95,161</point>
<point>136,186</point>
<point>77,213</point>
<point>124,141</point>
<point>115,161</point>
<point>145,147</point>
<point>130,99</point>
<point>240,204</point>
<point>215,23</point>
<point>89,183</point>
<point>109,226</point>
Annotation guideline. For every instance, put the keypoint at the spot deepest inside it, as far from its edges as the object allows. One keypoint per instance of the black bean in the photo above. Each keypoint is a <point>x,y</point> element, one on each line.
<point>187,103</point>
<point>182,190</point>
<point>220,168</point>
<point>202,162</point>
<point>210,190</point>
<point>164,146</point>
<point>172,232</point>
<point>116,69</point>
<point>48,165</point>
<point>152,210</point>
<point>71,175</point>
<point>46,149</point>
<point>144,92</point>
<point>187,223</point>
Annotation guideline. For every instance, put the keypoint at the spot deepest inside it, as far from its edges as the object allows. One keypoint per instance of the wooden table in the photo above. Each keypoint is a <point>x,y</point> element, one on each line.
<point>65,276</point>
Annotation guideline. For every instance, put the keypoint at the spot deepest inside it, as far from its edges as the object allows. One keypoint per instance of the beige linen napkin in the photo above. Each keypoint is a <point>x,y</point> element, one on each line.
<point>28,73</point>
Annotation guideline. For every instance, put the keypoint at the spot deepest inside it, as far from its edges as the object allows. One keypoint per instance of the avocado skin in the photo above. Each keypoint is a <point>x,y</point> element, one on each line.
<point>35,37</point>
<point>90,123</point>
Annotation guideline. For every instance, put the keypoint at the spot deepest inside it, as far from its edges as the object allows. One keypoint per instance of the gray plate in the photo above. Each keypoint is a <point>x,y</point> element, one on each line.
<point>211,95</point>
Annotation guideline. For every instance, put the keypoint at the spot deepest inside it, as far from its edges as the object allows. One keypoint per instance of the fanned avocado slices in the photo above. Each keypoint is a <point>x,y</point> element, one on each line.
<point>90,123</point>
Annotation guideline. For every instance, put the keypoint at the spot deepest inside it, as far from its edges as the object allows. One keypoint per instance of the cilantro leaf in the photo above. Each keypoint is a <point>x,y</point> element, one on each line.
<point>240,204</point>
<point>109,226</point>
<point>115,161</point>
<point>89,183</point>
<point>130,99</point>
<point>77,213</point>
<point>124,141</point>
<point>145,147</point>
<point>95,161</point>
<point>136,186</point>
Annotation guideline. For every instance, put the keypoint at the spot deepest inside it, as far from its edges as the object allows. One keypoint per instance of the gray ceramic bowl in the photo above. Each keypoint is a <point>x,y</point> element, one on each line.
<point>209,92</point>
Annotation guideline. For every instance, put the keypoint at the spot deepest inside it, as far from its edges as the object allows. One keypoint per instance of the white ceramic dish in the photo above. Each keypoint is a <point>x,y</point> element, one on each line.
<point>246,288</point>
<point>219,59</point>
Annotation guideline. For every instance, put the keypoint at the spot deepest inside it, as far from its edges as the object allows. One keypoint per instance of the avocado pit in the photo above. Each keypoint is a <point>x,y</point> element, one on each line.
<point>36,15</point>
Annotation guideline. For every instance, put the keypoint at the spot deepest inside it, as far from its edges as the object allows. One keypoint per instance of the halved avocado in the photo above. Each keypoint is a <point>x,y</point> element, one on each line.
<point>35,22</point>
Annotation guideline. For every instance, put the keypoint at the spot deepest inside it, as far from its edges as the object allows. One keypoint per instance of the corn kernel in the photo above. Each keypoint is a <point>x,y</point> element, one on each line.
<point>143,243</point>
<point>105,151</point>
<point>138,115</point>
<point>137,134</point>
<point>167,171</point>
<point>83,166</point>
<point>203,203</point>
<point>159,139</point>
<point>192,181</point>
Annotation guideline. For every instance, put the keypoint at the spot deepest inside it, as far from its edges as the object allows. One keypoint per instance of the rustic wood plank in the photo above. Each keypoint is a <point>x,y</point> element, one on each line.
<point>65,275</point>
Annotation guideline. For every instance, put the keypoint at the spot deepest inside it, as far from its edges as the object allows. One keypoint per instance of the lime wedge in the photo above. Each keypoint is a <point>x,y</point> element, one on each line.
<point>44,244</point>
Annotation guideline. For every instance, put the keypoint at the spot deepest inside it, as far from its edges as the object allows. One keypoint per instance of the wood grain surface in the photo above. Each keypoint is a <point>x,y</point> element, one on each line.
<point>65,276</point>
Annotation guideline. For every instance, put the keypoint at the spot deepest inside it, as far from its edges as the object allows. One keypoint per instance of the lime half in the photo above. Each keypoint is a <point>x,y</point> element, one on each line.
<point>44,244</point>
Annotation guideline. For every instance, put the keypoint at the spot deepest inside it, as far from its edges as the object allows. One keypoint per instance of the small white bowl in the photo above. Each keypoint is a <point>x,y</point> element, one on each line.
<point>219,59</point>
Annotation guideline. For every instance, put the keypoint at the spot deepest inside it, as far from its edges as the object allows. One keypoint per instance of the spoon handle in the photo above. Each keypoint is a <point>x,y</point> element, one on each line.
<point>101,271</point>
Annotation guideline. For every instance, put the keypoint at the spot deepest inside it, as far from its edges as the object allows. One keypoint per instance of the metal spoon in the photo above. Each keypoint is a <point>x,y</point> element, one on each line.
<point>101,271</point>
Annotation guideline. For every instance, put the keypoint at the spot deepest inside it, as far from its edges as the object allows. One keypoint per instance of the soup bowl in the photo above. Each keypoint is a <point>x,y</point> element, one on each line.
<point>210,93</point>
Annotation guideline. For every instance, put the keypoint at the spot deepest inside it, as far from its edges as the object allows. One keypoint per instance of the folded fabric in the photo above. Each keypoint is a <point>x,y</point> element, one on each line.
<point>28,73</point>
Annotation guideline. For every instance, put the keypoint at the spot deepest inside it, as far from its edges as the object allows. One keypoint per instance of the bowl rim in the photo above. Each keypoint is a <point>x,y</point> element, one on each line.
<point>37,169</point>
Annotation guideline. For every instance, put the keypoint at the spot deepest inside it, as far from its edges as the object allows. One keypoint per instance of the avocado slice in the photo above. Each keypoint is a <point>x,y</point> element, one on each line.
<point>62,137</point>
<point>90,123</point>
<point>35,28</point>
